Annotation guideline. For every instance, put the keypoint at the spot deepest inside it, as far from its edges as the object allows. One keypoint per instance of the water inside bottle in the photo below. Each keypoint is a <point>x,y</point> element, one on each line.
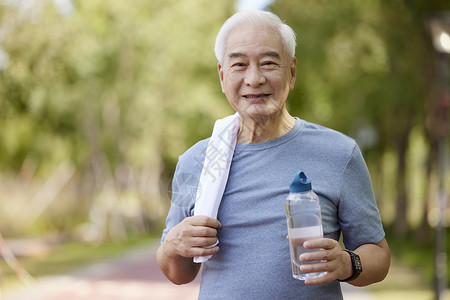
<point>297,236</point>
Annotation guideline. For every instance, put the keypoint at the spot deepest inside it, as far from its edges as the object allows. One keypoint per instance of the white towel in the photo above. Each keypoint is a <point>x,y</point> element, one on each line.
<point>216,168</point>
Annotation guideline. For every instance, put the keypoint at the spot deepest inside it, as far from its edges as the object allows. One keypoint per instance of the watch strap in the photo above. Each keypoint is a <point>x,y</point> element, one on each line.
<point>356,266</point>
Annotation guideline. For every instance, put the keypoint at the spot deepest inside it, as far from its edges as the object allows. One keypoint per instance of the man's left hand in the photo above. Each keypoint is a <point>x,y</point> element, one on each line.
<point>335,262</point>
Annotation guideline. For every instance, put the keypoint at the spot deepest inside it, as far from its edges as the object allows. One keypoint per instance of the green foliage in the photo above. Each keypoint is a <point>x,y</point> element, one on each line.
<point>365,68</point>
<point>119,91</point>
<point>116,90</point>
<point>368,66</point>
<point>108,77</point>
<point>360,63</point>
<point>416,254</point>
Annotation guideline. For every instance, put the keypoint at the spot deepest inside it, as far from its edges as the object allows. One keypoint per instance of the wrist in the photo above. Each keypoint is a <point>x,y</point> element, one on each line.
<point>354,265</point>
<point>169,245</point>
<point>347,270</point>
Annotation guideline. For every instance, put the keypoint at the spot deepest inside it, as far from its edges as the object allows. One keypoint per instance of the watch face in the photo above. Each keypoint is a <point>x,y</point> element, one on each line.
<point>356,266</point>
<point>357,260</point>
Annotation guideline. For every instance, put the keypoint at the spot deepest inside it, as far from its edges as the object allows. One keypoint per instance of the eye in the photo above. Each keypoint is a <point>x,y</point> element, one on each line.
<point>269,63</point>
<point>238,64</point>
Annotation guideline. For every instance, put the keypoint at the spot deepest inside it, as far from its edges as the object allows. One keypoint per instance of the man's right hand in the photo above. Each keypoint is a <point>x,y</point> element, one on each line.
<point>191,237</point>
<point>187,239</point>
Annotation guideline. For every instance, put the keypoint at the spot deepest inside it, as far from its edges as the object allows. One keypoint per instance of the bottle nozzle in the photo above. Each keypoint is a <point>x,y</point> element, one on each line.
<point>300,183</point>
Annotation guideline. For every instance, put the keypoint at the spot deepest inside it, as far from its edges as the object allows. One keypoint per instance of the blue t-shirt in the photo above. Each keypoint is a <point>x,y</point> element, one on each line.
<point>254,260</point>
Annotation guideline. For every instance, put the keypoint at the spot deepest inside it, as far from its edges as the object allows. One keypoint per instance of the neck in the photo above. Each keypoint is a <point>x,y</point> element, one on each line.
<point>253,131</point>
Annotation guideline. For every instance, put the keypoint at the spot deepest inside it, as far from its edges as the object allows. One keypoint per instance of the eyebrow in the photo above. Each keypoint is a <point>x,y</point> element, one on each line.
<point>271,53</point>
<point>235,54</point>
<point>268,53</point>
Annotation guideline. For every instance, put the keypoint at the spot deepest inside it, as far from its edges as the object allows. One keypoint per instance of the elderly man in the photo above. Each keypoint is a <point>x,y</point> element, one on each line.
<point>257,70</point>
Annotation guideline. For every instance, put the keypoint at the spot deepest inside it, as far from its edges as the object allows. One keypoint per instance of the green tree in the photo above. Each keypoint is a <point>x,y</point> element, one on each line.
<point>363,68</point>
<point>118,91</point>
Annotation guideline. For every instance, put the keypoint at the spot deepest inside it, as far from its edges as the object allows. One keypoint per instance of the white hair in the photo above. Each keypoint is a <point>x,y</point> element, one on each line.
<point>255,17</point>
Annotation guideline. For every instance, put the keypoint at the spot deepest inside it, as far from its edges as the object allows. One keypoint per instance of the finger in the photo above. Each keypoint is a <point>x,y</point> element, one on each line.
<point>323,268</point>
<point>314,256</point>
<point>201,241</point>
<point>314,268</point>
<point>204,221</point>
<point>320,243</point>
<point>321,280</point>
<point>198,251</point>
<point>320,254</point>
<point>329,268</point>
<point>188,230</point>
<point>201,231</point>
<point>206,251</point>
<point>318,268</point>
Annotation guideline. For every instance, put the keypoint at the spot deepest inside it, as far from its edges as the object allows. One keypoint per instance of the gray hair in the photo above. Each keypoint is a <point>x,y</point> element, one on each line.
<point>255,17</point>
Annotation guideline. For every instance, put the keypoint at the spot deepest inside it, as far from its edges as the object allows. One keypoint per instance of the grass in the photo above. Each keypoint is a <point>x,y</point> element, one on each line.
<point>68,257</point>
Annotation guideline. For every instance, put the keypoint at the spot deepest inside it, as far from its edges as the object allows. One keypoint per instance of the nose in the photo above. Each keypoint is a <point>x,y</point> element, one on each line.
<point>254,77</point>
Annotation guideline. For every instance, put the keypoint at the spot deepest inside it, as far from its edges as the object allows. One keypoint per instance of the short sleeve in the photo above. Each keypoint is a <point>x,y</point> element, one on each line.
<point>184,185</point>
<point>183,194</point>
<point>359,217</point>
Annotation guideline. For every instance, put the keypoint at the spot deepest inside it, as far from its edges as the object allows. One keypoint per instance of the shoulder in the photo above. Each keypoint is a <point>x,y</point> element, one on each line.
<point>194,156</point>
<point>197,149</point>
<point>327,138</point>
<point>187,175</point>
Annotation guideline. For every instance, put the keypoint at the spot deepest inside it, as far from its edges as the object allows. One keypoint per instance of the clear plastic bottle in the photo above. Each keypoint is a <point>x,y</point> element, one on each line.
<point>304,222</point>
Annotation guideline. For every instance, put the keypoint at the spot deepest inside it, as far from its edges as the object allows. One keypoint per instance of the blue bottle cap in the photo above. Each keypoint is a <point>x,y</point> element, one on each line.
<point>300,183</point>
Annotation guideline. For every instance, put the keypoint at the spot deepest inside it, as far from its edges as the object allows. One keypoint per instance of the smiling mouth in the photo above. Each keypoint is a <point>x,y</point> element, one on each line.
<point>255,96</point>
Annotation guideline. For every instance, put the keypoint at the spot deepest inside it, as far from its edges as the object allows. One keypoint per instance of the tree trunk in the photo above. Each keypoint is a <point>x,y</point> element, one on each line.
<point>424,231</point>
<point>401,219</point>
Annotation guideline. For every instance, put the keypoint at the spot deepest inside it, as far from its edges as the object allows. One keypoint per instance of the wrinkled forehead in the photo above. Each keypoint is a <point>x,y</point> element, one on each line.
<point>251,36</point>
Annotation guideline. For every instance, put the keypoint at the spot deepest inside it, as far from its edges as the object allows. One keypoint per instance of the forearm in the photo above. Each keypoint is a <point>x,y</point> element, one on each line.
<point>176,268</point>
<point>375,260</point>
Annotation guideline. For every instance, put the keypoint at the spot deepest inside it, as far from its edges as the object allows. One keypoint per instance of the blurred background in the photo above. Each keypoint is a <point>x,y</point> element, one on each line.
<point>99,98</point>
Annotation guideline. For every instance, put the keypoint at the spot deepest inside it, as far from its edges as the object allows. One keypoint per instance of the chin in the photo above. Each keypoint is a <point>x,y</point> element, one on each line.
<point>255,112</point>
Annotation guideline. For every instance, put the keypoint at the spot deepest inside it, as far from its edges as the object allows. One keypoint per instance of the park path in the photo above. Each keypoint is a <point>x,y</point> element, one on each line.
<point>133,276</point>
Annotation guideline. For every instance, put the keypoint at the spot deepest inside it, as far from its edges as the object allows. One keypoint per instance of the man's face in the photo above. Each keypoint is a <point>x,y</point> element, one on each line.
<point>256,73</point>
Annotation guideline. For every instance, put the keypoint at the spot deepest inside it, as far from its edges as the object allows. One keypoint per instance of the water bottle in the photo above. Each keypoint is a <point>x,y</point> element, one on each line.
<point>304,222</point>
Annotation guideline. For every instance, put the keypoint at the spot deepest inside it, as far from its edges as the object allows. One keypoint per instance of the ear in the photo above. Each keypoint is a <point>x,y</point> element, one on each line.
<point>220,71</point>
<point>293,73</point>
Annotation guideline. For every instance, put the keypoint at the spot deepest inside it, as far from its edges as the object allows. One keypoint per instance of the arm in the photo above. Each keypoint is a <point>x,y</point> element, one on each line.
<point>375,259</point>
<point>184,241</point>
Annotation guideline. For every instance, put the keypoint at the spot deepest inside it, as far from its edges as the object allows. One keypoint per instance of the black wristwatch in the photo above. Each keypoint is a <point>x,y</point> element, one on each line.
<point>356,266</point>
